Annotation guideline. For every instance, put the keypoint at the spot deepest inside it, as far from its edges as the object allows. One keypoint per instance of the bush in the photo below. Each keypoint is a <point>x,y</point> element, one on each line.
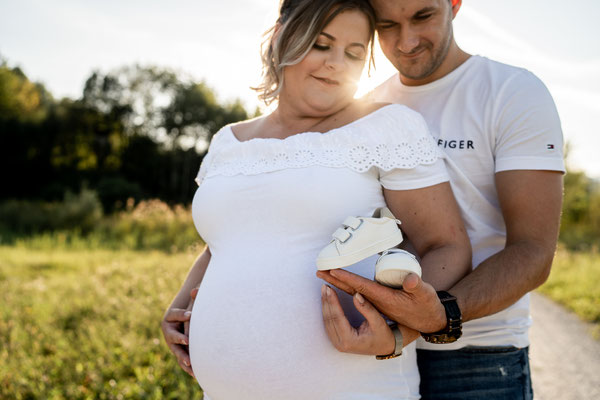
<point>114,192</point>
<point>81,212</point>
<point>77,223</point>
<point>150,224</point>
<point>580,222</point>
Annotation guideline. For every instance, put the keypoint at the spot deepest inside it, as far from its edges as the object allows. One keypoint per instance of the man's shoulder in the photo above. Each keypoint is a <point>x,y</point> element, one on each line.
<point>476,71</point>
<point>498,66</point>
<point>502,74</point>
<point>478,76</point>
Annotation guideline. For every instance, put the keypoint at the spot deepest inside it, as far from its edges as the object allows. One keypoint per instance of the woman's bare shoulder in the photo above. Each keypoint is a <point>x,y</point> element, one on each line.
<point>245,130</point>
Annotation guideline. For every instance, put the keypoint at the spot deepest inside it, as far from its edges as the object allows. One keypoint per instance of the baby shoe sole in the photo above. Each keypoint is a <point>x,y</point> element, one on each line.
<point>395,277</point>
<point>392,273</point>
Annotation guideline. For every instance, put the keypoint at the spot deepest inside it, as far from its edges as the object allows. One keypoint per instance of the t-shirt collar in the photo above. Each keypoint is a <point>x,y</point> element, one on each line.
<point>443,81</point>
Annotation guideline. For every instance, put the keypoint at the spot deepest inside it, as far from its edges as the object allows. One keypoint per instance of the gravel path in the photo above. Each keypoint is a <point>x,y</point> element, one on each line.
<point>565,359</point>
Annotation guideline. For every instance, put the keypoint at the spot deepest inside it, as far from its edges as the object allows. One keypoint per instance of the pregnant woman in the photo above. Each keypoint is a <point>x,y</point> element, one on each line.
<point>271,192</point>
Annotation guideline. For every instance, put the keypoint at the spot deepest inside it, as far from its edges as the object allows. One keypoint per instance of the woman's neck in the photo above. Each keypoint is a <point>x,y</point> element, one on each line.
<point>288,120</point>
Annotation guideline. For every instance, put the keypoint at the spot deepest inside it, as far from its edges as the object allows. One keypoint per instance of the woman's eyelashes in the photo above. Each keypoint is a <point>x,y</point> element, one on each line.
<point>355,57</point>
<point>350,54</point>
<point>321,47</point>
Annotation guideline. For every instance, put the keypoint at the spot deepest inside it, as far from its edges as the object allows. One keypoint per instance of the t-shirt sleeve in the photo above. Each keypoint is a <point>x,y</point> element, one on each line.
<point>427,167</point>
<point>207,159</point>
<point>416,178</point>
<point>529,134</point>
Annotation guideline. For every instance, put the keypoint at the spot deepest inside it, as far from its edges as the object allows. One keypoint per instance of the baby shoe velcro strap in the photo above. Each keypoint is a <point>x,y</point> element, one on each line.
<point>342,235</point>
<point>352,222</point>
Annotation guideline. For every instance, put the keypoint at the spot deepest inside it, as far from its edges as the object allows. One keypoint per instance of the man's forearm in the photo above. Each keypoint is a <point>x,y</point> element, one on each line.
<point>503,279</point>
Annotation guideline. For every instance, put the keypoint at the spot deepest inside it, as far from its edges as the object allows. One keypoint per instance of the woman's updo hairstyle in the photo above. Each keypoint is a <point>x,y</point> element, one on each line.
<point>299,25</point>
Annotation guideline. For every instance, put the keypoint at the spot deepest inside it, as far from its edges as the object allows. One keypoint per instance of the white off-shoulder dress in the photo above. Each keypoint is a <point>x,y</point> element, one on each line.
<point>266,207</point>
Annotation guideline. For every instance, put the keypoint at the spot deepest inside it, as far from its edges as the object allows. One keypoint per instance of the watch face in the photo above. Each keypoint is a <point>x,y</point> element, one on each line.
<point>441,338</point>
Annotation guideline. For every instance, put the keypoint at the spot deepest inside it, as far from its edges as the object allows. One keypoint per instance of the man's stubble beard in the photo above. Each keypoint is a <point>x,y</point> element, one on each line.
<point>437,58</point>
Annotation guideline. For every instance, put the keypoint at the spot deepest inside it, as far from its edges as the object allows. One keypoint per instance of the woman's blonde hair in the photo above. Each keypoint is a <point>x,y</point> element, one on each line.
<point>299,25</point>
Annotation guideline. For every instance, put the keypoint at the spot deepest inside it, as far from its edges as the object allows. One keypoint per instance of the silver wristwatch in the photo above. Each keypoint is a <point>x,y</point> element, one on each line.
<point>399,344</point>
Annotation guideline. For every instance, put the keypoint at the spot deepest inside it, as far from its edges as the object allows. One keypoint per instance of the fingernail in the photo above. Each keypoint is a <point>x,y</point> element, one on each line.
<point>187,364</point>
<point>359,297</point>
<point>187,313</point>
<point>333,272</point>
<point>328,291</point>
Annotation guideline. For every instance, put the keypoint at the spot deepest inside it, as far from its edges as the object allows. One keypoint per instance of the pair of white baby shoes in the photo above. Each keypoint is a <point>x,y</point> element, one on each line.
<point>362,237</point>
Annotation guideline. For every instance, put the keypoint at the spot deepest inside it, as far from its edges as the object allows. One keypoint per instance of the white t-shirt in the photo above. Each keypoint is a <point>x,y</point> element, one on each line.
<point>487,117</point>
<point>266,208</point>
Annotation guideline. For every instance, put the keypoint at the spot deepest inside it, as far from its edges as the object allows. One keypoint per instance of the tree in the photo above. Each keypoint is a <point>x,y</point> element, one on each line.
<point>21,99</point>
<point>177,113</point>
<point>156,102</point>
<point>23,107</point>
<point>136,131</point>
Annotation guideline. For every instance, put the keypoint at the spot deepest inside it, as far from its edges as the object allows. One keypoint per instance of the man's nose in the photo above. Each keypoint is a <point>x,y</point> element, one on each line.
<point>408,40</point>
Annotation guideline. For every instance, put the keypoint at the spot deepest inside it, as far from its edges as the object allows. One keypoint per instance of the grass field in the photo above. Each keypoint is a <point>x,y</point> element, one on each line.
<point>575,283</point>
<point>84,323</point>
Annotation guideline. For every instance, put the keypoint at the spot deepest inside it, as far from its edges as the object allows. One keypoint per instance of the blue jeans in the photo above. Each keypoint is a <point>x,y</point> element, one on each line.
<point>490,373</point>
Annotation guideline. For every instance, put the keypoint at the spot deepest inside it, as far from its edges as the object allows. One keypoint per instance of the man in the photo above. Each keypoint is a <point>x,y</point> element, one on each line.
<point>501,134</point>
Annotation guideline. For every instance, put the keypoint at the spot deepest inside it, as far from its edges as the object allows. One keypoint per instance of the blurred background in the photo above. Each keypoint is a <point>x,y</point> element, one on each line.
<point>106,109</point>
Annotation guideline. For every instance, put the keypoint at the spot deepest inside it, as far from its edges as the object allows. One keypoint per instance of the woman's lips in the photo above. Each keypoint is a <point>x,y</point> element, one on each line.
<point>327,81</point>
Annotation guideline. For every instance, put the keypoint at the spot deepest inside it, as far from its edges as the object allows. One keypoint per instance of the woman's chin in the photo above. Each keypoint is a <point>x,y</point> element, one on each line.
<point>330,107</point>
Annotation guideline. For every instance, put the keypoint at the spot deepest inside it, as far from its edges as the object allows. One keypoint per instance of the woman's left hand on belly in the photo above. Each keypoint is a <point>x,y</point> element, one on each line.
<point>175,339</point>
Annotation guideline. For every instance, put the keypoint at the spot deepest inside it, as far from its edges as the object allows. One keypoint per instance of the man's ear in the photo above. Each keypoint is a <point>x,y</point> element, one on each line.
<point>455,7</point>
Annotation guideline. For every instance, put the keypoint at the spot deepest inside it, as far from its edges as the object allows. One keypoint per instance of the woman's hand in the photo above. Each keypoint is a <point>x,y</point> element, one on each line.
<point>372,337</point>
<point>186,324</point>
<point>175,322</point>
<point>171,325</point>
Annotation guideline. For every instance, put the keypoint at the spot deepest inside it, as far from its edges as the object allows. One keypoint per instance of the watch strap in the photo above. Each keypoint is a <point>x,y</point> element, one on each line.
<point>453,330</point>
<point>453,314</point>
<point>399,344</point>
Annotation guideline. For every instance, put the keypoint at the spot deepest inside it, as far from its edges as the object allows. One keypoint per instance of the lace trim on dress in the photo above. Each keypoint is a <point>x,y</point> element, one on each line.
<point>391,137</point>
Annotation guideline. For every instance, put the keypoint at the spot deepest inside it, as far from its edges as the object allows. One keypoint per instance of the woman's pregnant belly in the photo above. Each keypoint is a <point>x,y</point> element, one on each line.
<point>257,333</point>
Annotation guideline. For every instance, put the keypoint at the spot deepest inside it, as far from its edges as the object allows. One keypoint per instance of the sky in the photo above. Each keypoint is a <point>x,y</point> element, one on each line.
<point>60,42</point>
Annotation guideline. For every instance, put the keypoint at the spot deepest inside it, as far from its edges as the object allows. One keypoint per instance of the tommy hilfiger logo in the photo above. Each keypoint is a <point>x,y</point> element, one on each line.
<point>455,144</point>
<point>550,146</point>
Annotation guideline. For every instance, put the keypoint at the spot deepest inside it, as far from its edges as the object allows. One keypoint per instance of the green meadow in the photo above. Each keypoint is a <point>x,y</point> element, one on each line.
<point>85,324</point>
<point>80,312</point>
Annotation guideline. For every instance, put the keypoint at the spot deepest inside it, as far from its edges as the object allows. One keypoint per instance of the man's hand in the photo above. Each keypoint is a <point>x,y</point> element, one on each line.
<point>171,327</point>
<point>416,306</point>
